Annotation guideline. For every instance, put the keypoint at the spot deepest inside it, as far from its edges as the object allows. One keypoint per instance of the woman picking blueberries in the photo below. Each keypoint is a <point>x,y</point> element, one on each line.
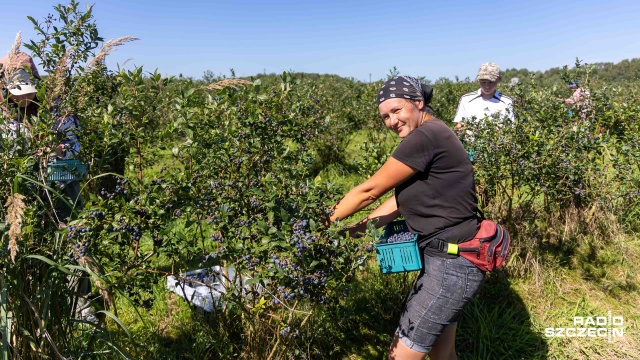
<point>432,178</point>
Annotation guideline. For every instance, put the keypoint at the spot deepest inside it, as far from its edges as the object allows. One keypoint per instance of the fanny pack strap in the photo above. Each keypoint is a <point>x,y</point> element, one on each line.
<point>443,246</point>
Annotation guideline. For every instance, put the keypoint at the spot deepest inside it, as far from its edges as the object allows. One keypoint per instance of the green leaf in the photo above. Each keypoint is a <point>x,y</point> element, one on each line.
<point>253,280</point>
<point>115,318</point>
<point>50,262</point>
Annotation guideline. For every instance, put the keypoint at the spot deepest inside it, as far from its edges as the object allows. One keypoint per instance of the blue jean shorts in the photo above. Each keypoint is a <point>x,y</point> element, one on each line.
<point>436,300</point>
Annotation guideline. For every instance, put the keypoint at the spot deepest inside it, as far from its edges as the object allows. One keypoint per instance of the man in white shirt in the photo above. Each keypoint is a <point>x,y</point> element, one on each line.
<point>485,101</point>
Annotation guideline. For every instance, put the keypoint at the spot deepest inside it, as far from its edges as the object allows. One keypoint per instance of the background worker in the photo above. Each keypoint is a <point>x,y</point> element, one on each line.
<point>485,101</point>
<point>579,101</point>
<point>19,76</point>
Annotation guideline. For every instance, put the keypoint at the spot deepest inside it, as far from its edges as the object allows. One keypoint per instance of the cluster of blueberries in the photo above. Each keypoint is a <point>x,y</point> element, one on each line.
<point>80,248</point>
<point>121,189</point>
<point>106,194</point>
<point>367,247</point>
<point>99,215</point>
<point>301,239</point>
<point>216,237</point>
<point>134,230</point>
<point>212,219</point>
<point>283,264</point>
<point>286,331</point>
<point>73,230</point>
<point>205,277</point>
<point>243,223</point>
<point>285,294</point>
<point>254,203</point>
<point>252,262</point>
<point>157,240</point>
<point>399,237</point>
<point>302,283</point>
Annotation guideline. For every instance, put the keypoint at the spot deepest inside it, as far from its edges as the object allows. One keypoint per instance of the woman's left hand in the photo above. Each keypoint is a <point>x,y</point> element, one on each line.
<point>60,150</point>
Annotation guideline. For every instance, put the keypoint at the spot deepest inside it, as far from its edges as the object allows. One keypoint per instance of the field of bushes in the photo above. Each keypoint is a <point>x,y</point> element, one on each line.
<point>188,174</point>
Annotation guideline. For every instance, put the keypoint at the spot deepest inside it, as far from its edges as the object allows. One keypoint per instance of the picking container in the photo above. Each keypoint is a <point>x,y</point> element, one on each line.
<point>66,170</point>
<point>398,256</point>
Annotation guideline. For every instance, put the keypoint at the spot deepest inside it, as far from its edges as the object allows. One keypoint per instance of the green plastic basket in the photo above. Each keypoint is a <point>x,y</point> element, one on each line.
<point>66,170</point>
<point>398,256</point>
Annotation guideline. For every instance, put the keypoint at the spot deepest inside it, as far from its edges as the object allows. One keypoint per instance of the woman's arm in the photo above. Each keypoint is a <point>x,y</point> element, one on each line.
<point>390,175</point>
<point>384,214</point>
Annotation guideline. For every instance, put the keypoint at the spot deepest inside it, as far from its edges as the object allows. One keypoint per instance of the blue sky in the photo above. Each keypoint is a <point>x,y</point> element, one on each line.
<point>359,39</point>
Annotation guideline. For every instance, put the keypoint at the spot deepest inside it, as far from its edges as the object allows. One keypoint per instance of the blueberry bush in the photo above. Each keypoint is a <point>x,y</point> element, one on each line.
<point>189,174</point>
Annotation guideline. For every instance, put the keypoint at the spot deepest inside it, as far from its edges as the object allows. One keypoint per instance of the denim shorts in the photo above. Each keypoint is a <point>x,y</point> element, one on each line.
<point>436,300</point>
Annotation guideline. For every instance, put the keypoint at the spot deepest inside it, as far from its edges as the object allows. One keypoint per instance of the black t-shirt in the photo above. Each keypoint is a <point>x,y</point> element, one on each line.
<point>440,199</point>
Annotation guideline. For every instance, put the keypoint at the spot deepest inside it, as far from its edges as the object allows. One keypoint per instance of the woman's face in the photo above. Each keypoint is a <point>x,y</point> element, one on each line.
<point>401,116</point>
<point>23,100</point>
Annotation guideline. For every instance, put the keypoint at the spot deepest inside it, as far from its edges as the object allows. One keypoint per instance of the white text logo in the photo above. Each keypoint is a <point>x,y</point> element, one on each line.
<point>590,327</point>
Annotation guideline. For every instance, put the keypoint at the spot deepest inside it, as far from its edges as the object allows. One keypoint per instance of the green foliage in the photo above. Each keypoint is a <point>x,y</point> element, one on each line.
<point>186,176</point>
<point>70,34</point>
<point>624,73</point>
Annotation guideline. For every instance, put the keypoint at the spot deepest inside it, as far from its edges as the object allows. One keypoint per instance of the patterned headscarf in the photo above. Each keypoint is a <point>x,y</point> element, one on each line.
<point>405,87</point>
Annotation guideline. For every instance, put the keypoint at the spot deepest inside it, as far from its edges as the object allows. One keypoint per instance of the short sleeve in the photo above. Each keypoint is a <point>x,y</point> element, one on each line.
<point>415,151</point>
<point>461,113</point>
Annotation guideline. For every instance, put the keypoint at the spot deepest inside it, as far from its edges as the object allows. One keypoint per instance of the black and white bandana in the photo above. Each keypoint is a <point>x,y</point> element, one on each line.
<point>405,87</point>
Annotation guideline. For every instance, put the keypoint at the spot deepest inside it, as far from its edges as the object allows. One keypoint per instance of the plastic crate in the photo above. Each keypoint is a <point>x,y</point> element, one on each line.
<point>190,287</point>
<point>66,170</point>
<point>398,256</point>
<point>205,287</point>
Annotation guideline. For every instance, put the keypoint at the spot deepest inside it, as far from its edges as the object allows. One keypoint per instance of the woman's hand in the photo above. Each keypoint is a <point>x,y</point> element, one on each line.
<point>60,150</point>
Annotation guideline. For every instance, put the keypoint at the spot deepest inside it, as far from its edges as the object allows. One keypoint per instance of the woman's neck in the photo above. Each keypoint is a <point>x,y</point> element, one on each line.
<point>426,117</point>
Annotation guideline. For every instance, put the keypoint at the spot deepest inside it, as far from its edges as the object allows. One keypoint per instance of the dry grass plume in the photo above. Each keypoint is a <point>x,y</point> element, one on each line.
<point>7,69</point>
<point>58,81</point>
<point>106,49</point>
<point>15,212</point>
<point>234,83</point>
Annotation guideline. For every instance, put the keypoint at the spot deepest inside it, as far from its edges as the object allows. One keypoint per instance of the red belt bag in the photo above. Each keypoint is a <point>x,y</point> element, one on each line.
<point>487,250</point>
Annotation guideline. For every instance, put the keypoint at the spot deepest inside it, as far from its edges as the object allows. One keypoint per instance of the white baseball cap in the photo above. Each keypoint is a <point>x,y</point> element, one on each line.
<point>18,80</point>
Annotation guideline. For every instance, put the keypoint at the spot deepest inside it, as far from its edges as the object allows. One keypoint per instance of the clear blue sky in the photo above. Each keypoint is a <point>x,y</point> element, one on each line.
<point>355,39</point>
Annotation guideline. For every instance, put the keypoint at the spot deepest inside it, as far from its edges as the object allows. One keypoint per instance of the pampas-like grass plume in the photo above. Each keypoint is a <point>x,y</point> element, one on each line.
<point>59,79</point>
<point>106,49</point>
<point>15,212</point>
<point>228,82</point>
<point>16,43</point>
<point>11,58</point>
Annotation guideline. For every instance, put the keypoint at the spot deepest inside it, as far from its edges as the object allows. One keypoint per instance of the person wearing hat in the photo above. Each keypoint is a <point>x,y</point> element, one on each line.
<point>18,74</point>
<point>431,176</point>
<point>485,101</point>
<point>579,100</point>
<point>18,79</point>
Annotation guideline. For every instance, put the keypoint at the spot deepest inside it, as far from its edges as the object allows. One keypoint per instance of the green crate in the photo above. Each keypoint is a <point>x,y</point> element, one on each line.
<point>66,170</point>
<point>398,256</point>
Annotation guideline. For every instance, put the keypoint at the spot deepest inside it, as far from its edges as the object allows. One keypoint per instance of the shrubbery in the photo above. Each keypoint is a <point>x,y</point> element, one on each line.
<point>188,176</point>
